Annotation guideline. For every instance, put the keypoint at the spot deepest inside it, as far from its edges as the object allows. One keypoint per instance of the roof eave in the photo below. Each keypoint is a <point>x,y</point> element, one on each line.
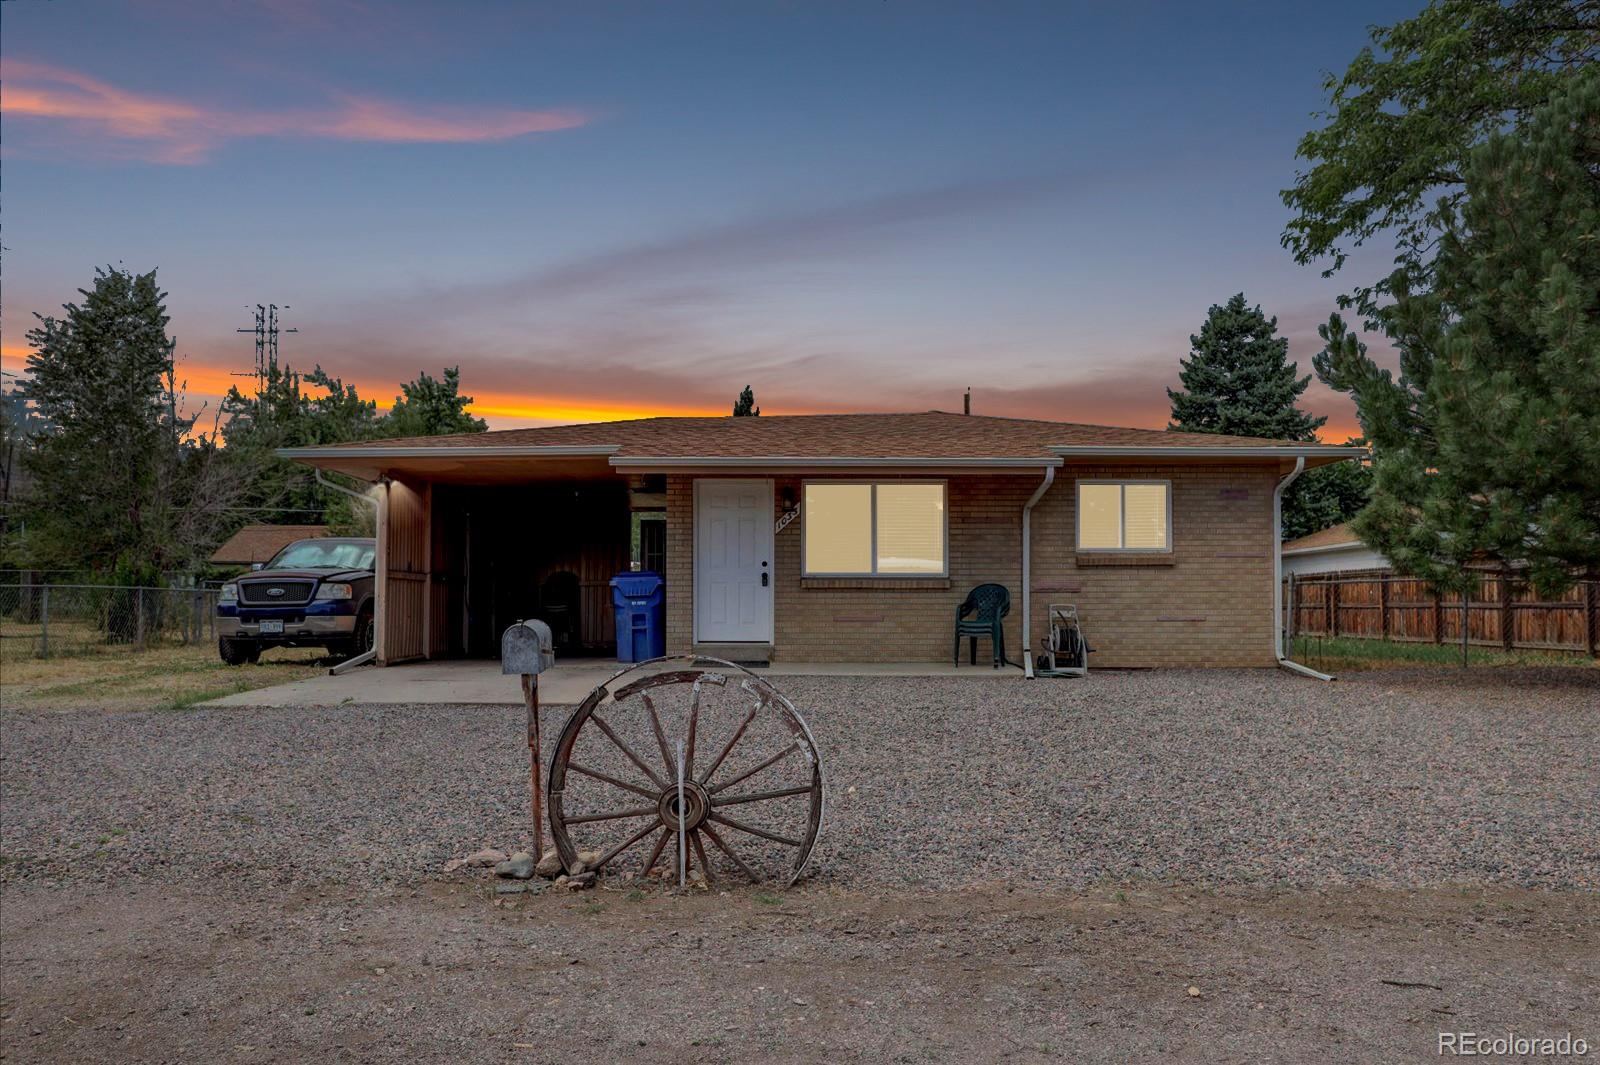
<point>1216,451</point>
<point>811,462</point>
<point>523,451</point>
<point>1319,549</point>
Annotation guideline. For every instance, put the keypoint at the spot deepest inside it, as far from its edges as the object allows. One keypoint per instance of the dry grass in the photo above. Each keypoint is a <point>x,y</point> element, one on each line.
<point>167,677</point>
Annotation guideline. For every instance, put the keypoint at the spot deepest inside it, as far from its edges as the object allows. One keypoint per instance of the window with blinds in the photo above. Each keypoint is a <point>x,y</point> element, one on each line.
<point>888,529</point>
<point>1124,516</point>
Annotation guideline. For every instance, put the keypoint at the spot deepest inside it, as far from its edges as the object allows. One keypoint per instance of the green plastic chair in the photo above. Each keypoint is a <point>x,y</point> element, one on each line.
<point>989,603</point>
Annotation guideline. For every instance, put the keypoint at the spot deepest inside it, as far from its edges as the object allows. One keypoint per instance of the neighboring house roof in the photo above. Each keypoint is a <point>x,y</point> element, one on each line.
<point>800,439</point>
<point>258,543</point>
<point>1334,536</point>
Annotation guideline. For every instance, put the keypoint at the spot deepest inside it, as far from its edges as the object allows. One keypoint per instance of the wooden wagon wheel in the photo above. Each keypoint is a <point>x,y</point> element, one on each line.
<point>752,781</point>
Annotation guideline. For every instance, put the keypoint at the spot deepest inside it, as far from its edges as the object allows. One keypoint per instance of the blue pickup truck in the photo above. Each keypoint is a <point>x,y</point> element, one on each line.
<point>314,593</point>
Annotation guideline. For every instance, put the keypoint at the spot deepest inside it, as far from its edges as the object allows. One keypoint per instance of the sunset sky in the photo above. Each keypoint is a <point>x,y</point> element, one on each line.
<point>612,209</point>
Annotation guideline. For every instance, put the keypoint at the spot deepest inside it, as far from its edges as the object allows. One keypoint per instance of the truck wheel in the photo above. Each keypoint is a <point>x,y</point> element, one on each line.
<point>365,631</point>
<point>238,652</point>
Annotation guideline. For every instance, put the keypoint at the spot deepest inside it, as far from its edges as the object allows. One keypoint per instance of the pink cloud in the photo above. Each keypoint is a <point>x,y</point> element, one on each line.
<point>121,123</point>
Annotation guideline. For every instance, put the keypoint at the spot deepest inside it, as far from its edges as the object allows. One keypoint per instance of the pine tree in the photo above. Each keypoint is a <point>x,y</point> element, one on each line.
<point>101,377</point>
<point>1238,380</point>
<point>427,407</point>
<point>1487,446</point>
<point>289,409</point>
<point>745,405</point>
<point>1326,496</point>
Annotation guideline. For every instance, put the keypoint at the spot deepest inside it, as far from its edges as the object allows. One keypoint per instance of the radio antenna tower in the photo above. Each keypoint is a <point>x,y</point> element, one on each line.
<point>266,331</point>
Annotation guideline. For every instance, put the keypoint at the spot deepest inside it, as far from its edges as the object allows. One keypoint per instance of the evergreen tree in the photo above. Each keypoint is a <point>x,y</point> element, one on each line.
<point>1487,446</point>
<point>284,412</point>
<point>101,376</point>
<point>1239,381</point>
<point>428,407</point>
<point>121,485</point>
<point>1326,496</point>
<point>745,405</point>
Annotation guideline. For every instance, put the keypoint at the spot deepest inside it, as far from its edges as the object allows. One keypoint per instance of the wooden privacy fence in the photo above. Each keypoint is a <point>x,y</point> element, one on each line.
<point>1499,611</point>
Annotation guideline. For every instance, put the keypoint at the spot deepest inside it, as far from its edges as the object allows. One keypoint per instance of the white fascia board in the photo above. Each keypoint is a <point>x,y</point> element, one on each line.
<point>551,451</point>
<point>829,462</point>
<point>1321,550</point>
<point>1180,451</point>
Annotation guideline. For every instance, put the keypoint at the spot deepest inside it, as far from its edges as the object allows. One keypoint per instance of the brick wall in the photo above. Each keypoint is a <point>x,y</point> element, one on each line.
<point>1208,603</point>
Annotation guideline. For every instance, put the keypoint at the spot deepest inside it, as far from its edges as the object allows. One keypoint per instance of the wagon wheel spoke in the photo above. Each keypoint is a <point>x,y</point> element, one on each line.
<point>700,856</point>
<point>740,826</point>
<point>623,784</point>
<point>634,758</point>
<point>738,734</point>
<point>625,844</point>
<point>694,727</point>
<point>762,796</point>
<point>711,834</point>
<point>614,815</point>
<point>655,855</point>
<point>661,736</point>
<point>747,774</point>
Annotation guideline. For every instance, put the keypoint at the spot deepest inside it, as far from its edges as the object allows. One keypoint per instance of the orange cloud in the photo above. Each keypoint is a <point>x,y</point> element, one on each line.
<point>163,129</point>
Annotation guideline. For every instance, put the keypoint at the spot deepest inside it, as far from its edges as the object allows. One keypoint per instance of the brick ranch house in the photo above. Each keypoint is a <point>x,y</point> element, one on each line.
<point>832,538</point>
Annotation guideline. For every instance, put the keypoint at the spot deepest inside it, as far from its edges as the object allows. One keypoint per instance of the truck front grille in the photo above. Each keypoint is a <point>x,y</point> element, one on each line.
<point>275,593</point>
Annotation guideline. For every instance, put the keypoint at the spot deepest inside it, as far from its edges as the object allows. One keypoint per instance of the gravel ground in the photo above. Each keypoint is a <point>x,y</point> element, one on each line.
<point>1199,778</point>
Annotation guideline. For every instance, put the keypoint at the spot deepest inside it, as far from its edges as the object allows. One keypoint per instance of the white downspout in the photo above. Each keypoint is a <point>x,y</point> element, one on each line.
<point>1027,569</point>
<point>1277,575</point>
<point>377,604</point>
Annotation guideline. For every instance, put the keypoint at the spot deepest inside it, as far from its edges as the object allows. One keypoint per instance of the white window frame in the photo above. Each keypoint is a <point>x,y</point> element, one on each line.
<point>1122,514</point>
<point>872,525</point>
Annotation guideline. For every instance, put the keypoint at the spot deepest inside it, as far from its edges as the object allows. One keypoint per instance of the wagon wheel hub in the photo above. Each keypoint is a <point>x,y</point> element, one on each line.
<point>696,806</point>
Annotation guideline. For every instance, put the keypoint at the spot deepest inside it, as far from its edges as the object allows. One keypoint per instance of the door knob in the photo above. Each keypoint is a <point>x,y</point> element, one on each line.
<point>763,579</point>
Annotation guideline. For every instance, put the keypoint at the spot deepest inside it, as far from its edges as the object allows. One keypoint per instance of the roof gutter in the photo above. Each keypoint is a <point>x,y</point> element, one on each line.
<point>1027,569</point>
<point>1277,575</point>
<point>1179,451</point>
<point>813,462</point>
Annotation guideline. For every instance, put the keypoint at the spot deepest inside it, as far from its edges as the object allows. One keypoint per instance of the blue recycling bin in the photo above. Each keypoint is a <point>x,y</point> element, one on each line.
<point>641,603</point>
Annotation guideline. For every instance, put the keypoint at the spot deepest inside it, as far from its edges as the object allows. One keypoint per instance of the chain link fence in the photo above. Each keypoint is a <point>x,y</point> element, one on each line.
<point>50,620</point>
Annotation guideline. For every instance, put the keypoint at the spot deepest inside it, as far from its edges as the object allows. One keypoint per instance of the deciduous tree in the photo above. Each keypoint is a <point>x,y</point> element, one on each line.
<point>1390,158</point>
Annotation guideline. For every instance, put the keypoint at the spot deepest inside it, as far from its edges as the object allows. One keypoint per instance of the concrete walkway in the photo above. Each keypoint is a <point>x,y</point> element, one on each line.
<point>478,681</point>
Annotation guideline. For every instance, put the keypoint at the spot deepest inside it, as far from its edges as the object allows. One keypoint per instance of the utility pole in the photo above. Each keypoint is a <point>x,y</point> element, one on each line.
<point>266,333</point>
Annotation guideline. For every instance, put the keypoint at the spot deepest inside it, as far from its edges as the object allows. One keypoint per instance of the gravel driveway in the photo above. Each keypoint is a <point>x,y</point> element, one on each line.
<point>1200,778</point>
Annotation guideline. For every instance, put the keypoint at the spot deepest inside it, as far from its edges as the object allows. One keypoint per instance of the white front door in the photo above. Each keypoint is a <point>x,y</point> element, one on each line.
<point>733,561</point>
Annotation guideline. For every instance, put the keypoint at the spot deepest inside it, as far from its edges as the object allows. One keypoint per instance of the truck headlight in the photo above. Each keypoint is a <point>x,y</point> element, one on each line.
<point>336,591</point>
<point>229,593</point>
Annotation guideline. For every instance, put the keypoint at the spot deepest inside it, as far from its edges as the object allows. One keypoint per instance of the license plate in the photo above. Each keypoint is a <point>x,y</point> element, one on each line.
<point>270,627</point>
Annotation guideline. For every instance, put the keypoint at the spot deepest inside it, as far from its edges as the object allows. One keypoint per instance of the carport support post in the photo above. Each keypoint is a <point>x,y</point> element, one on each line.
<point>530,695</point>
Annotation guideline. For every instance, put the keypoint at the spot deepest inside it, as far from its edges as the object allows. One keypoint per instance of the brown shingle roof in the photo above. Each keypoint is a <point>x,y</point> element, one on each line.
<point>258,543</point>
<point>934,434</point>
<point>1332,536</point>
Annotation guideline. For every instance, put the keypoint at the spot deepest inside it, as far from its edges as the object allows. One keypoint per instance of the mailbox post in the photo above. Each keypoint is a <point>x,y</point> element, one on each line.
<point>527,650</point>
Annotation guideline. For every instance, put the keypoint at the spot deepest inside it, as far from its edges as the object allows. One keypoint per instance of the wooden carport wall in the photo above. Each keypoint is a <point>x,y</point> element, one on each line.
<point>404,571</point>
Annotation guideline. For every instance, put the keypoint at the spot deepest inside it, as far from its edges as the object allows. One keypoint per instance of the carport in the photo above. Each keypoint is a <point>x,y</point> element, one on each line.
<point>472,539</point>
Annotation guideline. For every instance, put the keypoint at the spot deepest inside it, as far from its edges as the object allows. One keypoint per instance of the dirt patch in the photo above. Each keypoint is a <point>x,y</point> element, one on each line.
<point>444,972</point>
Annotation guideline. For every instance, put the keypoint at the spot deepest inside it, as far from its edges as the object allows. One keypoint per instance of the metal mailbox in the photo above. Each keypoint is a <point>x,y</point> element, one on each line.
<point>527,648</point>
